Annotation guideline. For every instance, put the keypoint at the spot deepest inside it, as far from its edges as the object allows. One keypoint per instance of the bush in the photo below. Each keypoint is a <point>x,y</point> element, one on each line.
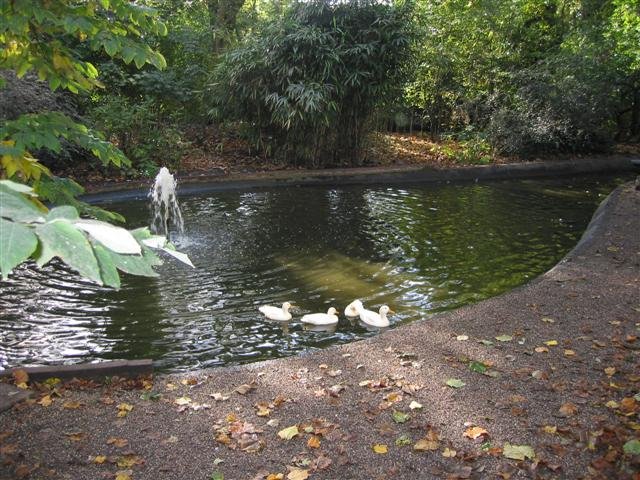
<point>558,107</point>
<point>304,86</point>
<point>141,130</point>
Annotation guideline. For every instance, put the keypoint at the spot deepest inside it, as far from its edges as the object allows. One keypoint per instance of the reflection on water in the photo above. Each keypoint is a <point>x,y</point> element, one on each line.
<point>420,249</point>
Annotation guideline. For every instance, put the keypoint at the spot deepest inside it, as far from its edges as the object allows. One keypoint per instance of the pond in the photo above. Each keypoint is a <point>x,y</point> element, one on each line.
<point>421,249</point>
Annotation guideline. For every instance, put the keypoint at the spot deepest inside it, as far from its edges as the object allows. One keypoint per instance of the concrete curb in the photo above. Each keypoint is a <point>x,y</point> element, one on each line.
<point>94,371</point>
<point>375,176</point>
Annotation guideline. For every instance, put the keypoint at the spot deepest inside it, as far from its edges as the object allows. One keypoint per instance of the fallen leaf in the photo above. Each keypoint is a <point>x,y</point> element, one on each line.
<point>99,459</point>
<point>415,405</point>
<point>275,476</point>
<point>313,442</point>
<point>334,373</point>
<point>245,388</point>
<point>550,429</point>
<point>400,417</point>
<point>117,442</point>
<point>632,447</point>
<point>45,401</point>
<point>20,378</point>
<point>568,409</point>
<point>124,409</point>
<point>380,448</point>
<point>548,320</point>
<point>551,343</point>
<point>289,432</point>
<point>428,443</point>
<point>182,401</point>
<point>75,436</point>
<point>298,474</point>
<point>569,353</point>
<point>504,338</point>
<point>455,383</point>
<point>403,440</point>
<point>217,476</point>
<point>541,349</point>
<point>611,404</point>
<point>123,476</point>
<point>610,371</point>
<point>449,453</point>
<point>475,432</point>
<point>128,461</point>
<point>477,367</point>
<point>71,405</point>
<point>518,452</point>
<point>462,338</point>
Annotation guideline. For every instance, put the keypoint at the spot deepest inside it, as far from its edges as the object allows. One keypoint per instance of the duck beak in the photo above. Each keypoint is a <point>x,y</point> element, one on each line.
<point>391,311</point>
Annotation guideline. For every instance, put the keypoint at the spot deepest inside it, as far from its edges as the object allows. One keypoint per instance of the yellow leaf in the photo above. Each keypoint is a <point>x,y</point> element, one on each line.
<point>46,401</point>
<point>275,476</point>
<point>541,349</point>
<point>449,453</point>
<point>22,386</point>
<point>99,459</point>
<point>551,343</point>
<point>550,429</point>
<point>124,409</point>
<point>313,442</point>
<point>289,432</point>
<point>612,404</point>
<point>128,461</point>
<point>122,476</point>
<point>71,405</point>
<point>569,353</point>
<point>298,474</point>
<point>610,371</point>
<point>380,448</point>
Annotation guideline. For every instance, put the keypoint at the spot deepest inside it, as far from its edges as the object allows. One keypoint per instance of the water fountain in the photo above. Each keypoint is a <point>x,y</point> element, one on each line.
<point>164,205</point>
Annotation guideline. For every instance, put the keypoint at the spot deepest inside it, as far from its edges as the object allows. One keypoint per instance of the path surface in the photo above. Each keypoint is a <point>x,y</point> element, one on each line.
<point>570,400</point>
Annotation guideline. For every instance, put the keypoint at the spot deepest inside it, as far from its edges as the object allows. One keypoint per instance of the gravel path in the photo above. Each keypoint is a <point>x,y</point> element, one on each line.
<point>381,408</point>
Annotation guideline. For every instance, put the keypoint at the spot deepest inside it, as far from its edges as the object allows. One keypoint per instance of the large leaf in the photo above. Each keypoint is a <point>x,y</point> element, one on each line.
<point>18,243</point>
<point>61,239</point>
<point>15,206</point>
<point>108,270</point>
<point>133,264</point>
<point>114,238</point>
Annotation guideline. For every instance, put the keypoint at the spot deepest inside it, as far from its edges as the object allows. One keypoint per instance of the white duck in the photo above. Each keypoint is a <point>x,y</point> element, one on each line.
<point>375,319</point>
<point>275,313</point>
<point>328,318</point>
<point>352,310</point>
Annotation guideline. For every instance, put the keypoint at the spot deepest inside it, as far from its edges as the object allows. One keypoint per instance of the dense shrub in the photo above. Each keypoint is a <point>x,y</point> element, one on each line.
<point>555,109</point>
<point>304,86</point>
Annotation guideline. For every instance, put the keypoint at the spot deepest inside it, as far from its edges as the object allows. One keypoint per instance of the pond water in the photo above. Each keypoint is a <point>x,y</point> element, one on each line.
<point>421,249</point>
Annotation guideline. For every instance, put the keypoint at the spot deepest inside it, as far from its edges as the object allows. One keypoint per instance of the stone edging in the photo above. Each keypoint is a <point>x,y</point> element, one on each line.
<point>376,176</point>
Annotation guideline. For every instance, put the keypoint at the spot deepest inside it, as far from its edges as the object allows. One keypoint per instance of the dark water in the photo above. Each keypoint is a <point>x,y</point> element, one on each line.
<point>420,249</point>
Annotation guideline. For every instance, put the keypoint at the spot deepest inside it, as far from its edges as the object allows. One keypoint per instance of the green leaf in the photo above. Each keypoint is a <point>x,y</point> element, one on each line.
<point>17,187</point>
<point>477,367</point>
<point>18,243</point>
<point>108,270</point>
<point>289,432</point>
<point>400,417</point>
<point>133,264</point>
<point>59,238</point>
<point>518,452</point>
<point>217,476</point>
<point>504,338</point>
<point>455,383</point>
<point>632,447</point>
<point>403,440</point>
<point>15,206</point>
<point>66,211</point>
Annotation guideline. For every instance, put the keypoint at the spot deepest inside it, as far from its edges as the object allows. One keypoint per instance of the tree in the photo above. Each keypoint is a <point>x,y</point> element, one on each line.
<point>48,37</point>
